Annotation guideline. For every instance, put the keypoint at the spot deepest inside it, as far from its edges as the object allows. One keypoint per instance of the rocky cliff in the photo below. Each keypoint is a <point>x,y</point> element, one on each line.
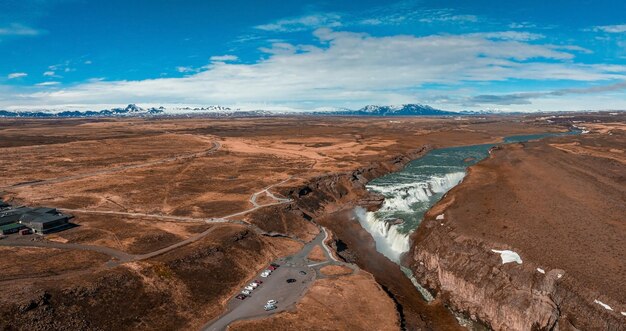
<point>471,279</point>
<point>526,198</point>
<point>328,193</point>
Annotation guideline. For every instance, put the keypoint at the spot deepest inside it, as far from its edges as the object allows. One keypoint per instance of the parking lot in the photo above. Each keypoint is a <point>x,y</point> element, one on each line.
<point>276,287</point>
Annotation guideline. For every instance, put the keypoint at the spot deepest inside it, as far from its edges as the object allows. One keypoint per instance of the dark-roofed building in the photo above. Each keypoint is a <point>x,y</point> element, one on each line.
<point>45,210</point>
<point>44,220</point>
<point>11,228</point>
<point>41,220</point>
<point>12,215</point>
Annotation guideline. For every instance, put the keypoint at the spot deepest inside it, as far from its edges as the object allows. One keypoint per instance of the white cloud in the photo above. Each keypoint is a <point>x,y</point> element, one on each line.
<point>390,19</point>
<point>347,69</point>
<point>620,28</point>
<point>17,75</point>
<point>303,23</point>
<point>88,62</point>
<point>183,69</point>
<point>19,30</point>
<point>522,25</point>
<point>64,67</point>
<point>525,98</point>
<point>48,83</point>
<point>510,35</point>
<point>398,14</point>
<point>224,58</point>
<point>446,17</point>
<point>49,73</point>
<point>372,21</point>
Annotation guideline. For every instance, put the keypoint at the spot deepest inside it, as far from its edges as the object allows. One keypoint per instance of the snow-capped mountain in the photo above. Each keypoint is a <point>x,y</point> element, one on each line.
<point>221,111</point>
<point>130,110</point>
<point>398,110</point>
<point>482,112</point>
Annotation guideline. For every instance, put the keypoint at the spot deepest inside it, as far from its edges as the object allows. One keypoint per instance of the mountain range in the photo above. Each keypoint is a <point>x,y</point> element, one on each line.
<point>135,110</point>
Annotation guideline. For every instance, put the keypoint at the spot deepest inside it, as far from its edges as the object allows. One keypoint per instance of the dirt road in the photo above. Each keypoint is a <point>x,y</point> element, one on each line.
<point>120,257</point>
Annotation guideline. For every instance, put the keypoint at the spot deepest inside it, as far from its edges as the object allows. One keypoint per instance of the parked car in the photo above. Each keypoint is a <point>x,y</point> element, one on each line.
<point>241,296</point>
<point>271,302</point>
<point>258,282</point>
<point>253,285</point>
<point>291,280</point>
<point>269,307</point>
<point>246,292</point>
<point>302,272</point>
<point>24,232</point>
<point>264,274</point>
<point>249,288</point>
<point>271,268</point>
<point>275,265</point>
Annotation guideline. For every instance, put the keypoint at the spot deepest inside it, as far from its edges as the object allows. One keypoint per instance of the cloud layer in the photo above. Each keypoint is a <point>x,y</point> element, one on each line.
<point>346,68</point>
<point>527,97</point>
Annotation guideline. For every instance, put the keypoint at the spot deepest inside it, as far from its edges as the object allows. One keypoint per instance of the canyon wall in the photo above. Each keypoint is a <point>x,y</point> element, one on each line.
<point>471,279</point>
<point>559,211</point>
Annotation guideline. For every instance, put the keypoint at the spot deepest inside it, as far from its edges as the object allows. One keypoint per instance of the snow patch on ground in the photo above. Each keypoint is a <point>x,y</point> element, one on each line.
<point>508,256</point>
<point>440,217</point>
<point>607,307</point>
<point>541,270</point>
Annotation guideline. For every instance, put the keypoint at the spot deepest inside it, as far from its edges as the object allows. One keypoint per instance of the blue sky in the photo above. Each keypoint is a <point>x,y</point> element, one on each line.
<point>509,55</point>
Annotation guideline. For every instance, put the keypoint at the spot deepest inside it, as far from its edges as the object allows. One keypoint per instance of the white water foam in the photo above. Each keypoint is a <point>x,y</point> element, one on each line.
<point>389,241</point>
<point>401,197</point>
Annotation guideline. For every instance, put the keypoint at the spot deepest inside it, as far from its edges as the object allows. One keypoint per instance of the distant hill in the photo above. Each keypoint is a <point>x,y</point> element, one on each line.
<point>400,110</point>
<point>220,111</point>
<point>130,110</point>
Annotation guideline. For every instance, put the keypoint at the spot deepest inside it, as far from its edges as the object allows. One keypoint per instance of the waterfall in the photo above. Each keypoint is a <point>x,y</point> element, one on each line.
<point>402,196</point>
<point>414,197</point>
<point>389,241</point>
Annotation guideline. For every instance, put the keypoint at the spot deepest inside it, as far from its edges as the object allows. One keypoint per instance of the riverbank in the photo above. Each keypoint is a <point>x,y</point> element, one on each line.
<point>558,204</point>
<point>330,201</point>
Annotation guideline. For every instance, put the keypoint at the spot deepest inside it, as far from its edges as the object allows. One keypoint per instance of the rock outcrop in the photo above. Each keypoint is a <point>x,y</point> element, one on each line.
<point>472,280</point>
<point>328,193</point>
<point>527,198</point>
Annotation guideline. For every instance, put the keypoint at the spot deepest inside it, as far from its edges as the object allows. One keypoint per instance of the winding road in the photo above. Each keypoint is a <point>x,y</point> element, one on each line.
<point>266,191</point>
<point>296,266</point>
<point>253,200</point>
<point>120,257</point>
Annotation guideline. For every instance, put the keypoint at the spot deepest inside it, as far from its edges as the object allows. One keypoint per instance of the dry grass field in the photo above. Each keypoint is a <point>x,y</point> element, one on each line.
<point>139,185</point>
